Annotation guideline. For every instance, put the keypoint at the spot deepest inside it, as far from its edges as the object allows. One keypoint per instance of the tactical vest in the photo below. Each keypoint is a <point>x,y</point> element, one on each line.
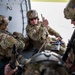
<point>6,43</point>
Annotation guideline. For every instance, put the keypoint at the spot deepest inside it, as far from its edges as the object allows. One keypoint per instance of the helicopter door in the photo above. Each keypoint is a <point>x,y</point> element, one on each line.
<point>16,9</point>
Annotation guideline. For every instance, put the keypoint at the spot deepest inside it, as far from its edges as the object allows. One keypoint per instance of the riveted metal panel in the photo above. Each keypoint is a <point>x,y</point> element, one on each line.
<point>17,9</point>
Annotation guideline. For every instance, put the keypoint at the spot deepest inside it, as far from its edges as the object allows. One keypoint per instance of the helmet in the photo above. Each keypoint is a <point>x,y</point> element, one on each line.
<point>3,20</point>
<point>69,13</point>
<point>32,14</point>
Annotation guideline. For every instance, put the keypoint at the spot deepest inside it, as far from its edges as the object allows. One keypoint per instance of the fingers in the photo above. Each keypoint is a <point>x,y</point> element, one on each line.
<point>44,21</point>
<point>42,17</point>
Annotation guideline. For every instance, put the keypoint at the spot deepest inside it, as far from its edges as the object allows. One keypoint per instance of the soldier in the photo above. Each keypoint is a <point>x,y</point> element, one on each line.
<point>38,32</point>
<point>7,40</point>
<point>69,14</point>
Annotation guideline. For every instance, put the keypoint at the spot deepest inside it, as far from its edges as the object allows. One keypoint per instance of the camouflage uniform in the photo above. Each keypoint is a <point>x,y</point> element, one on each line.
<point>6,44</point>
<point>69,13</point>
<point>7,40</point>
<point>39,34</point>
<point>36,69</point>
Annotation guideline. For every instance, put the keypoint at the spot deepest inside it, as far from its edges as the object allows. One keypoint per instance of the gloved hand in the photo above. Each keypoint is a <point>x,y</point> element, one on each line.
<point>44,21</point>
<point>59,38</point>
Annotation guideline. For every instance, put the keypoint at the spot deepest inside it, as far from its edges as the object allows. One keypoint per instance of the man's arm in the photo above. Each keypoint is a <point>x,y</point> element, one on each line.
<point>69,46</point>
<point>51,31</point>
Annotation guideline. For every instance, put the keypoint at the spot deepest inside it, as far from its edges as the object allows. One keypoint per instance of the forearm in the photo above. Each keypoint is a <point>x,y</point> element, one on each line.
<point>52,31</point>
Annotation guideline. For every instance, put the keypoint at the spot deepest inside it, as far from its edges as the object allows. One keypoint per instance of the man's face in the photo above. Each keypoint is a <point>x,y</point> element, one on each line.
<point>34,21</point>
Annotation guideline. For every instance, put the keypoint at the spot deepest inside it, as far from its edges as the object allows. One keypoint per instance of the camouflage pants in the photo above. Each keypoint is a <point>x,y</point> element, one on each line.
<point>62,71</point>
<point>56,71</point>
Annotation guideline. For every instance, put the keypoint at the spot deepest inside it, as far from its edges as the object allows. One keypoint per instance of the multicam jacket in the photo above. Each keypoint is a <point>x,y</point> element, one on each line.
<point>6,43</point>
<point>39,33</point>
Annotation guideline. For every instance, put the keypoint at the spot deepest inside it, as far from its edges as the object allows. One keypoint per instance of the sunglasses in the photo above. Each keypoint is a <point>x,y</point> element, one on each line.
<point>33,19</point>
